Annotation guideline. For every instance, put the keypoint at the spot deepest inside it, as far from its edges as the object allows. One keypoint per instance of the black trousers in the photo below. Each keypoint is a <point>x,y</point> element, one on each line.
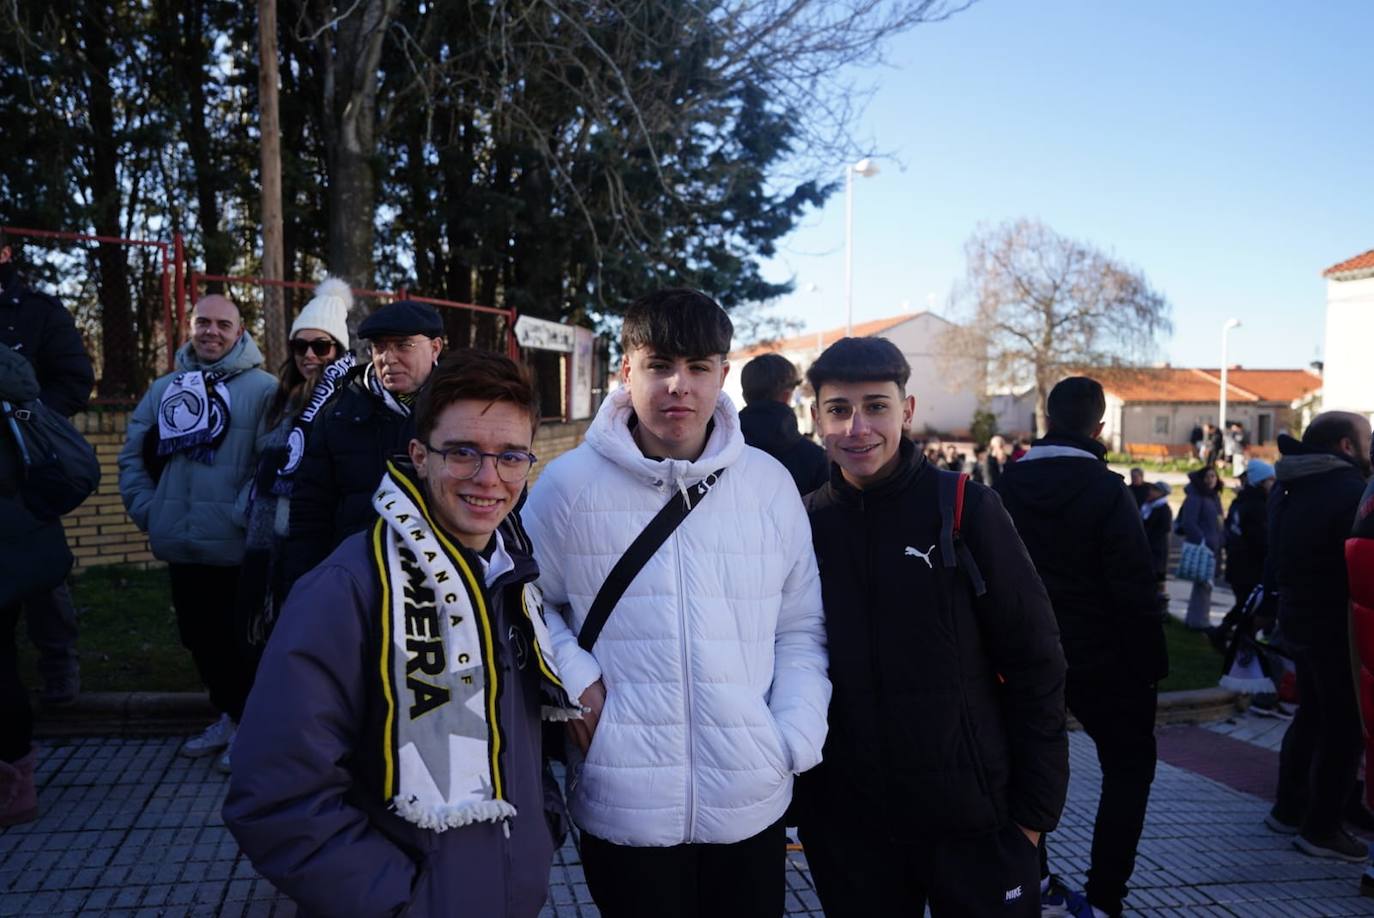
<point>861,874</point>
<point>16,715</point>
<point>1119,716</point>
<point>1320,755</point>
<point>740,880</point>
<point>51,620</point>
<point>203,596</point>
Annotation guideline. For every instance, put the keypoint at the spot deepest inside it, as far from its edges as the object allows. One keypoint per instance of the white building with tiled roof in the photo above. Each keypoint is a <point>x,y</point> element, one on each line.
<point>1348,371</point>
<point>941,406</point>
<point>1154,409</point>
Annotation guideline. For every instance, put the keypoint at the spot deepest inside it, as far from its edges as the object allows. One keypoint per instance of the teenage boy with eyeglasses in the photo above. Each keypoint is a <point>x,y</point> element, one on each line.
<point>947,755</point>
<point>390,759</point>
<point>706,689</point>
<point>368,422</point>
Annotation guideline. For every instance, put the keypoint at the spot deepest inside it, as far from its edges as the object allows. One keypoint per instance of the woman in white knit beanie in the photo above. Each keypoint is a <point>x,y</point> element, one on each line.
<point>318,361</point>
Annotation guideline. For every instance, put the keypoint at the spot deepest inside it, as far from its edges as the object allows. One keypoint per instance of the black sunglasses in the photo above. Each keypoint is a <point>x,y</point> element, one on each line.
<point>322,347</point>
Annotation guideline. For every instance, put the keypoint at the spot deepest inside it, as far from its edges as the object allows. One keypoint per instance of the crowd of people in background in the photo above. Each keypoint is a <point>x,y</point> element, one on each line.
<point>729,626</point>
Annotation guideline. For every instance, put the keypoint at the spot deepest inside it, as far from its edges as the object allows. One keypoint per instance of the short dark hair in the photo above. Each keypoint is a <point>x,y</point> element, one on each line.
<point>677,322</point>
<point>1075,405</point>
<point>860,360</point>
<point>483,376</point>
<point>1330,427</point>
<point>767,376</point>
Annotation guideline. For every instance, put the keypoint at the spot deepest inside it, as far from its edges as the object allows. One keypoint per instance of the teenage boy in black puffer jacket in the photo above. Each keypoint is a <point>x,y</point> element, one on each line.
<point>947,755</point>
<point>1083,530</point>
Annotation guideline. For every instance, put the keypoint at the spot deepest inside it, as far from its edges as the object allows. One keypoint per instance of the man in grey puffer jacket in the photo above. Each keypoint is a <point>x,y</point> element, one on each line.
<point>185,473</point>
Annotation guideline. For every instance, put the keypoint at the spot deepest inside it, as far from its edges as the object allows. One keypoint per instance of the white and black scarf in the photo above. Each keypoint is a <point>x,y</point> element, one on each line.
<point>442,735</point>
<point>330,382</point>
<point>193,414</point>
<point>1151,506</point>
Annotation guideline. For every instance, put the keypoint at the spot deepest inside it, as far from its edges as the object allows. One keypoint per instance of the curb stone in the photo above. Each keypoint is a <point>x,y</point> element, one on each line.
<point>175,713</point>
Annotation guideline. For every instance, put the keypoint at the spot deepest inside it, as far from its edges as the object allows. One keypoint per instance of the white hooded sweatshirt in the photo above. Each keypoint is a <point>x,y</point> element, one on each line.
<point>713,660</point>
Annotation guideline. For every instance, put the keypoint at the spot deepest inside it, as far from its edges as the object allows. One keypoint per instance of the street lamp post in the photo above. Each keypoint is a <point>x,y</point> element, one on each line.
<point>1225,333</point>
<point>865,167</point>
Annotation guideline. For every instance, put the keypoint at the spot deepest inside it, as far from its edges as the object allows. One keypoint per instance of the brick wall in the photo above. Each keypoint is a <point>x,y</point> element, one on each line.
<point>100,532</point>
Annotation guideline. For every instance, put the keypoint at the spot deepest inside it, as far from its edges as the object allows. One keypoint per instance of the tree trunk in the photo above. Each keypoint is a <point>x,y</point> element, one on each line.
<point>189,60</point>
<point>118,346</point>
<point>273,306</point>
<point>350,132</point>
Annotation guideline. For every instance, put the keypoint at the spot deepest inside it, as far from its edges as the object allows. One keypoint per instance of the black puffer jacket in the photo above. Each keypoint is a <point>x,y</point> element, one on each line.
<point>1083,530</point>
<point>1158,526</point>
<point>1247,537</point>
<point>38,327</point>
<point>1311,512</point>
<point>924,742</point>
<point>772,427</point>
<point>33,553</point>
<point>345,457</point>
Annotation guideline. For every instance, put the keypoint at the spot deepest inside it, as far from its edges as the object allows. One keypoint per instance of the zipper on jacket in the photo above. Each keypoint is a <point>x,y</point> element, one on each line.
<point>686,693</point>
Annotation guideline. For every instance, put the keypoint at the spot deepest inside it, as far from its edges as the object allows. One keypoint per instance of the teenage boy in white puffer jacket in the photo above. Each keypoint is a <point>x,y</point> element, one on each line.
<point>706,689</point>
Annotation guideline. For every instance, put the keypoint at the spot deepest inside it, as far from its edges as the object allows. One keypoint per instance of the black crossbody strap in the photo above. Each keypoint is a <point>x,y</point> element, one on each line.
<point>638,555</point>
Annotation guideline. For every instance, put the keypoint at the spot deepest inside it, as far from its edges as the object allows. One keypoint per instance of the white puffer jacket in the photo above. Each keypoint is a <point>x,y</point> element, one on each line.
<point>714,659</point>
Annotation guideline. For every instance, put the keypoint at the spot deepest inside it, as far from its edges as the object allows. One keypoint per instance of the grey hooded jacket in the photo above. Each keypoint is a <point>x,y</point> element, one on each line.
<point>195,513</point>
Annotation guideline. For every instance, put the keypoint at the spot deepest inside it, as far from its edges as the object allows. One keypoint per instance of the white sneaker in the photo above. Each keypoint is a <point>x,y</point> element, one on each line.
<point>216,737</point>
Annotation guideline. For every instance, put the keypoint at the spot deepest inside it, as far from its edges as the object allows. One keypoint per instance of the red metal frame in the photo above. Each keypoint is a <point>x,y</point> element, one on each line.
<point>164,255</point>
<point>195,279</point>
<point>179,285</point>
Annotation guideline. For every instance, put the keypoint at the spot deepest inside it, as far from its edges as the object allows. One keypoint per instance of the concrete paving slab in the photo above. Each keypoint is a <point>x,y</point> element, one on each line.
<point>130,828</point>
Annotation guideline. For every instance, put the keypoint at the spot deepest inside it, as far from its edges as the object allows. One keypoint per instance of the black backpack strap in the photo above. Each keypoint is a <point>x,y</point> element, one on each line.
<point>638,554</point>
<point>953,549</point>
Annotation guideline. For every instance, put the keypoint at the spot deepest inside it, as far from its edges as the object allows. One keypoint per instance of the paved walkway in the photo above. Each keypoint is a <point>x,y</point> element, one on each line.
<point>129,828</point>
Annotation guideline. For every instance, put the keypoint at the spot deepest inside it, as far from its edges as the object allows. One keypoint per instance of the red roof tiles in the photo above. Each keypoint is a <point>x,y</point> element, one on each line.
<point>1186,384</point>
<point>1363,264</point>
<point>827,338</point>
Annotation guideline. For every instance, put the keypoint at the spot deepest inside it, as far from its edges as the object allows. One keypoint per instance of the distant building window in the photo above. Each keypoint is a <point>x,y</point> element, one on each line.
<point>1162,425</point>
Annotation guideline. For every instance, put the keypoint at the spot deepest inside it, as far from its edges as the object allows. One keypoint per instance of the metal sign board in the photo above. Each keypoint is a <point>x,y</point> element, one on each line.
<point>544,335</point>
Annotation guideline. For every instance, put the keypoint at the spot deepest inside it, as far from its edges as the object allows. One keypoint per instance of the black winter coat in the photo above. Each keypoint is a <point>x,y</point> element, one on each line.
<point>1311,512</point>
<point>772,427</point>
<point>924,742</point>
<point>37,326</point>
<point>349,445</point>
<point>33,552</point>
<point>1159,525</point>
<point>1247,537</point>
<point>1084,533</point>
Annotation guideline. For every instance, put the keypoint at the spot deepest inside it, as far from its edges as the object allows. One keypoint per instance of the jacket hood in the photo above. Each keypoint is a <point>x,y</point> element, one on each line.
<point>1058,444</point>
<point>769,425</point>
<point>610,436</point>
<point>17,380</point>
<point>244,355</point>
<point>1291,468</point>
<point>1055,471</point>
<point>1297,460</point>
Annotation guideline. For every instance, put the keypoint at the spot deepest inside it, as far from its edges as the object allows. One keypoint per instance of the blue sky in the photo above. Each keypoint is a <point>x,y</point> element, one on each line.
<point>1222,147</point>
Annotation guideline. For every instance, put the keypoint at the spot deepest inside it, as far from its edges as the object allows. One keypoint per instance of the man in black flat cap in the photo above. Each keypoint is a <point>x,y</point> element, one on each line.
<point>368,422</point>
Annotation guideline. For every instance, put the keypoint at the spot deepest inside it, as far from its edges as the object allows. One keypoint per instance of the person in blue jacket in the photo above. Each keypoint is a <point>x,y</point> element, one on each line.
<point>1199,521</point>
<point>390,757</point>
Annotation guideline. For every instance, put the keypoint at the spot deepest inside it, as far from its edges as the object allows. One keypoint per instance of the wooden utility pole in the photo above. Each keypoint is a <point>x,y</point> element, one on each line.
<point>273,298</point>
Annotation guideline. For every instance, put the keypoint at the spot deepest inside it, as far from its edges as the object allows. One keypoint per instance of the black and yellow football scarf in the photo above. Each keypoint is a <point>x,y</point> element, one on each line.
<point>438,672</point>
